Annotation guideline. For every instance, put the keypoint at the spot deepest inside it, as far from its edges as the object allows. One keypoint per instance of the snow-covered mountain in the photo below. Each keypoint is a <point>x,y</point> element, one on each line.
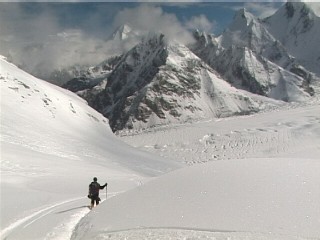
<point>286,38</point>
<point>93,81</point>
<point>125,32</point>
<point>93,76</point>
<point>246,30</point>
<point>158,83</point>
<point>297,27</point>
<point>249,56</point>
<point>245,69</point>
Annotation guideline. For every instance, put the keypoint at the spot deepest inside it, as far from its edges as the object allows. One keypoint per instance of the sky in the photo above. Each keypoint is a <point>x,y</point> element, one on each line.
<point>101,18</point>
<point>52,33</point>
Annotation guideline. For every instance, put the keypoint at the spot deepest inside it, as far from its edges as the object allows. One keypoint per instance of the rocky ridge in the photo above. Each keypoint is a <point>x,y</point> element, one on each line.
<point>160,82</point>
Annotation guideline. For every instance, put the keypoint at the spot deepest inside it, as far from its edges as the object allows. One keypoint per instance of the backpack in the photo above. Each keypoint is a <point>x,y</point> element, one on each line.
<point>94,188</point>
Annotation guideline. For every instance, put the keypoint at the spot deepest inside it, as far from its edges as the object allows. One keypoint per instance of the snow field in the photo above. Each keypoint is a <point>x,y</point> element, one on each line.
<point>49,157</point>
<point>293,131</point>
<point>269,188</point>
<point>276,196</point>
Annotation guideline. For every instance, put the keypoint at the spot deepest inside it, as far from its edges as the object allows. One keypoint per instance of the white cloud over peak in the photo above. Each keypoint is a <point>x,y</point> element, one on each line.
<point>200,22</point>
<point>38,32</point>
<point>315,6</point>
<point>261,10</point>
<point>152,18</point>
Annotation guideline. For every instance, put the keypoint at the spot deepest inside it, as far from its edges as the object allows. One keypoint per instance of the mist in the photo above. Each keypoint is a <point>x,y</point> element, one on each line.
<point>35,37</point>
<point>43,37</point>
<point>150,18</point>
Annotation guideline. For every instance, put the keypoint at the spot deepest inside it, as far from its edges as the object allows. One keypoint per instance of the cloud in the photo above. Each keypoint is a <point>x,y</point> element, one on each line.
<point>261,10</point>
<point>315,6</point>
<point>42,37</point>
<point>200,22</point>
<point>151,18</point>
<point>22,32</point>
<point>18,20</point>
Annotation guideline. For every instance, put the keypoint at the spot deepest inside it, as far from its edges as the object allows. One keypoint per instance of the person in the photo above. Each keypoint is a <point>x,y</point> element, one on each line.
<point>94,189</point>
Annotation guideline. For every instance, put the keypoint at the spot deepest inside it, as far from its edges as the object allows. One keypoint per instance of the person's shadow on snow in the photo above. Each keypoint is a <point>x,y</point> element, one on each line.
<point>71,209</point>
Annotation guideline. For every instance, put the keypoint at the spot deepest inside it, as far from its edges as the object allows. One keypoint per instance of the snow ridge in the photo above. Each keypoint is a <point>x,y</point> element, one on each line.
<point>260,62</point>
<point>297,27</point>
<point>160,82</point>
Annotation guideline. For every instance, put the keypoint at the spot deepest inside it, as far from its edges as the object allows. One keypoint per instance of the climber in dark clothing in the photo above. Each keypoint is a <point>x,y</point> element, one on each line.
<point>94,189</point>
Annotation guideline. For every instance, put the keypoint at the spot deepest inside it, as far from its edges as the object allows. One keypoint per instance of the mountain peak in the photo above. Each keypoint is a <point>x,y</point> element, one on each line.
<point>297,27</point>
<point>122,32</point>
<point>125,28</point>
<point>243,14</point>
<point>297,7</point>
<point>241,19</point>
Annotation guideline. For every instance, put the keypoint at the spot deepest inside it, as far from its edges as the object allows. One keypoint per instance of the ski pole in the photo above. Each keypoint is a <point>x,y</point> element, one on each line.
<point>106,191</point>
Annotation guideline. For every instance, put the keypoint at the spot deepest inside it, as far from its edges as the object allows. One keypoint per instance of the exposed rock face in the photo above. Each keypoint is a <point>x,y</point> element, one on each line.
<point>297,27</point>
<point>249,56</point>
<point>160,83</point>
<point>93,80</point>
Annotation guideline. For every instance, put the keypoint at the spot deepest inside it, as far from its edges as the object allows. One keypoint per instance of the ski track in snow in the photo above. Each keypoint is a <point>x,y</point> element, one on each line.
<point>33,218</point>
<point>65,229</point>
<point>62,231</point>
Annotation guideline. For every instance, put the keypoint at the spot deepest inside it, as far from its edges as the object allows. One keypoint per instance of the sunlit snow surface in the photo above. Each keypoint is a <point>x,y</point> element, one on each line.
<point>290,131</point>
<point>52,145</point>
<point>175,234</point>
<point>267,196</point>
<point>258,177</point>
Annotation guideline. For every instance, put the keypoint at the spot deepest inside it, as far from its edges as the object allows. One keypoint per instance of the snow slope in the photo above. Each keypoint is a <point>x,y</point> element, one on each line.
<point>52,145</point>
<point>265,186</point>
<point>255,198</point>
